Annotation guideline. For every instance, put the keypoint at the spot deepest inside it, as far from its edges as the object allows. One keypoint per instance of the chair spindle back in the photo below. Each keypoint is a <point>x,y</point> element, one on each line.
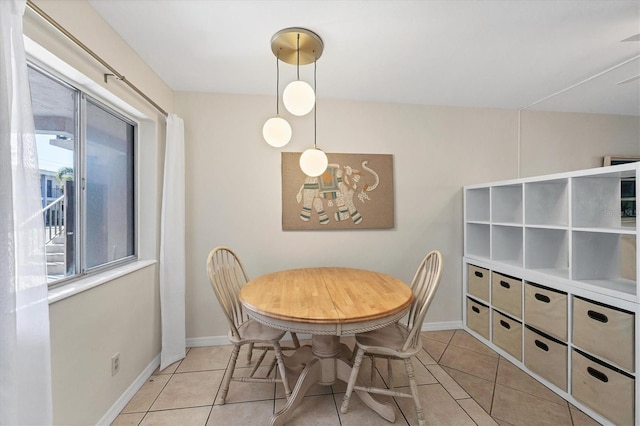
<point>227,276</point>
<point>424,285</point>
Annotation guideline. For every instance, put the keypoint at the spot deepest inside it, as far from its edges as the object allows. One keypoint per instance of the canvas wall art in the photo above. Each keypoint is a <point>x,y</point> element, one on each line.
<point>356,192</point>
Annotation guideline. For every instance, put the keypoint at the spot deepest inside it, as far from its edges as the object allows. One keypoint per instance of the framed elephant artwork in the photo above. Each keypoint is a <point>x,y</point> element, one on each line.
<point>355,192</point>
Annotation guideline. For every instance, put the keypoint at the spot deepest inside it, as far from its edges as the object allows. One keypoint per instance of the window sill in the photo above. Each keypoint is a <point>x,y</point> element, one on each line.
<point>75,287</point>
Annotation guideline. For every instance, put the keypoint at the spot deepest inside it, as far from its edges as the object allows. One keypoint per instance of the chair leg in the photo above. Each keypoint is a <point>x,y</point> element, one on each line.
<point>271,366</point>
<point>259,362</point>
<point>296,342</point>
<point>353,354</point>
<point>352,381</point>
<point>414,390</point>
<point>389,373</point>
<point>250,353</point>
<point>373,369</point>
<point>281,368</point>
<point>229,373</point>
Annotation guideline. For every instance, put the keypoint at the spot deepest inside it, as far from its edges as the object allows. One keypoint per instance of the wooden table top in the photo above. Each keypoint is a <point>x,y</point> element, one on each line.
<point>326,295</point>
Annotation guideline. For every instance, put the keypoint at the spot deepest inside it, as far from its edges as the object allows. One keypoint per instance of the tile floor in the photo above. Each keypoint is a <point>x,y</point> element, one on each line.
<point>461,382</point>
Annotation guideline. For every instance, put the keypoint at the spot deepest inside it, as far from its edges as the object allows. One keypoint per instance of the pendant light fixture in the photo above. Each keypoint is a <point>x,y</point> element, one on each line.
<point>297,46</point>
<point>276,130</point>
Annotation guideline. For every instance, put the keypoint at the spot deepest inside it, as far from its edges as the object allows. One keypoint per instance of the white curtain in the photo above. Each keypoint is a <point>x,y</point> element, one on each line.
<point>25,361</point>
<point>172,246</point>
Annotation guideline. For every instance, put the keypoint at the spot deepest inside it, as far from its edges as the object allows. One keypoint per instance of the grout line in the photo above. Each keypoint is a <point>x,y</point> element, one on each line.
<point>468,374</point>
<point>495,384</point>
<point>571,415</point>
<point>179,408</point>
<point>335,404</point>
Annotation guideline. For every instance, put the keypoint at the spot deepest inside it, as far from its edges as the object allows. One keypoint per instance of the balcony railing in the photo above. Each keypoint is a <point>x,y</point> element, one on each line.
<point>54,219</point>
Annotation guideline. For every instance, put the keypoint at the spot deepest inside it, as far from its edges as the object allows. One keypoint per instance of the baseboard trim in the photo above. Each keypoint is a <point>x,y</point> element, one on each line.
<point>445,325</point>
<point>124,399</point>
<point>195,342</point>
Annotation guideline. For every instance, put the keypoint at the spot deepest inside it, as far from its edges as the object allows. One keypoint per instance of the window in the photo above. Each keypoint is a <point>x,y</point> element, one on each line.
<point>86,161</point>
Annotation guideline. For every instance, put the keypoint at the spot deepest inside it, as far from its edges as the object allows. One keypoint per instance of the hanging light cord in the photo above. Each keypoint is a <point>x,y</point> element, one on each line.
<point>298,52</point>
<point>277,85</point>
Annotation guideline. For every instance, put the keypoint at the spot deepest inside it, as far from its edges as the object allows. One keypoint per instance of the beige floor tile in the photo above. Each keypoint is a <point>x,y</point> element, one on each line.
<point>462,339</point>
<point>169,369</point>
<point>249,391</point>
<point>425,358</point>
<point>196,416</point>
<point>447,382</point>
<point>480,390</point>
<point>400,378</point>
<point>189,390</point>
<point>438,406</point>
<point>581,419</point>
<point>520,408</point>
<point>210,358</point>
<point>467,368</point>
<point>476,412</point>
<point>313,411</point>
<point>434,348</point>
<point>131,419</point>
<point>315,389</point>
<point>443,336</point>
<point>142,400</point>
<point>359,414</point>
<point>513,377</point>
<point>241,414</point>
<point>364,376</point>
<point>470,362</point>
<point>502,422</point>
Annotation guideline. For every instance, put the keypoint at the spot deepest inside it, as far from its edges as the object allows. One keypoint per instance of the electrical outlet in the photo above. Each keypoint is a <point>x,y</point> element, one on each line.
<point>115,364</point>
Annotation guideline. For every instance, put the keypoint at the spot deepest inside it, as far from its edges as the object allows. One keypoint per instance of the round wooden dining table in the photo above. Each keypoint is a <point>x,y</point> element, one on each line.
<point>326,302</point>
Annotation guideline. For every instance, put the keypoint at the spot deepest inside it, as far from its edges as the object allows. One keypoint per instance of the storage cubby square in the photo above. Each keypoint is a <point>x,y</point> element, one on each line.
<point>506,204</point>
<point>596,202</point>
<point>547,250</point>
<point>477,204</point>
<point>507,244</point>
<point>477,240</point>
<point>607,260</point>
<point>547,203</point>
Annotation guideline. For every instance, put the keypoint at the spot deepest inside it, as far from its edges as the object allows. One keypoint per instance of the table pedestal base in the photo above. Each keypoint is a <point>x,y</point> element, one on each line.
<point>326,361</point>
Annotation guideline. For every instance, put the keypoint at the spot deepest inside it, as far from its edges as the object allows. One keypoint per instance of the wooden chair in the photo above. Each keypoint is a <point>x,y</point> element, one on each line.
<point>400,340</point>
<point>227,276</point>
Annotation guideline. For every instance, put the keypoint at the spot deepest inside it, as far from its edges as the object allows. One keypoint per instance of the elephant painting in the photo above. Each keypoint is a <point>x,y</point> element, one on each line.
<point>336,186</point>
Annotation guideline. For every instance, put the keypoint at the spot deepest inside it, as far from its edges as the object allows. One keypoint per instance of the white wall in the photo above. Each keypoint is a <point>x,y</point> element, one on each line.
<point>555,142</point>
<point>234,189</point>
<point>233,183</point>
<point>87,330</point>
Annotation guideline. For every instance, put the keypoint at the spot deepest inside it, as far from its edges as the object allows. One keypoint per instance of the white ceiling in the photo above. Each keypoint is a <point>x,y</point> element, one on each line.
<point>482,53</point>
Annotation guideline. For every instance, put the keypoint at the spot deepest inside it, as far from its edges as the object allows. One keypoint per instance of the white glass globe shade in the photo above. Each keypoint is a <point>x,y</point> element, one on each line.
<point>276,131</point>
<point>298,98</point>
<point>313,162</point>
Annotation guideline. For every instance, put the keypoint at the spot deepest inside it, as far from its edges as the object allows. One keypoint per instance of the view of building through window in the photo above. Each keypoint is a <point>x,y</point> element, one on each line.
<point>80,140</point>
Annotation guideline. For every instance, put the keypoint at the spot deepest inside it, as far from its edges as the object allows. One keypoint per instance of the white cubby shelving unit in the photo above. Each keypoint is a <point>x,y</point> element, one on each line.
<point>558,246</point>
